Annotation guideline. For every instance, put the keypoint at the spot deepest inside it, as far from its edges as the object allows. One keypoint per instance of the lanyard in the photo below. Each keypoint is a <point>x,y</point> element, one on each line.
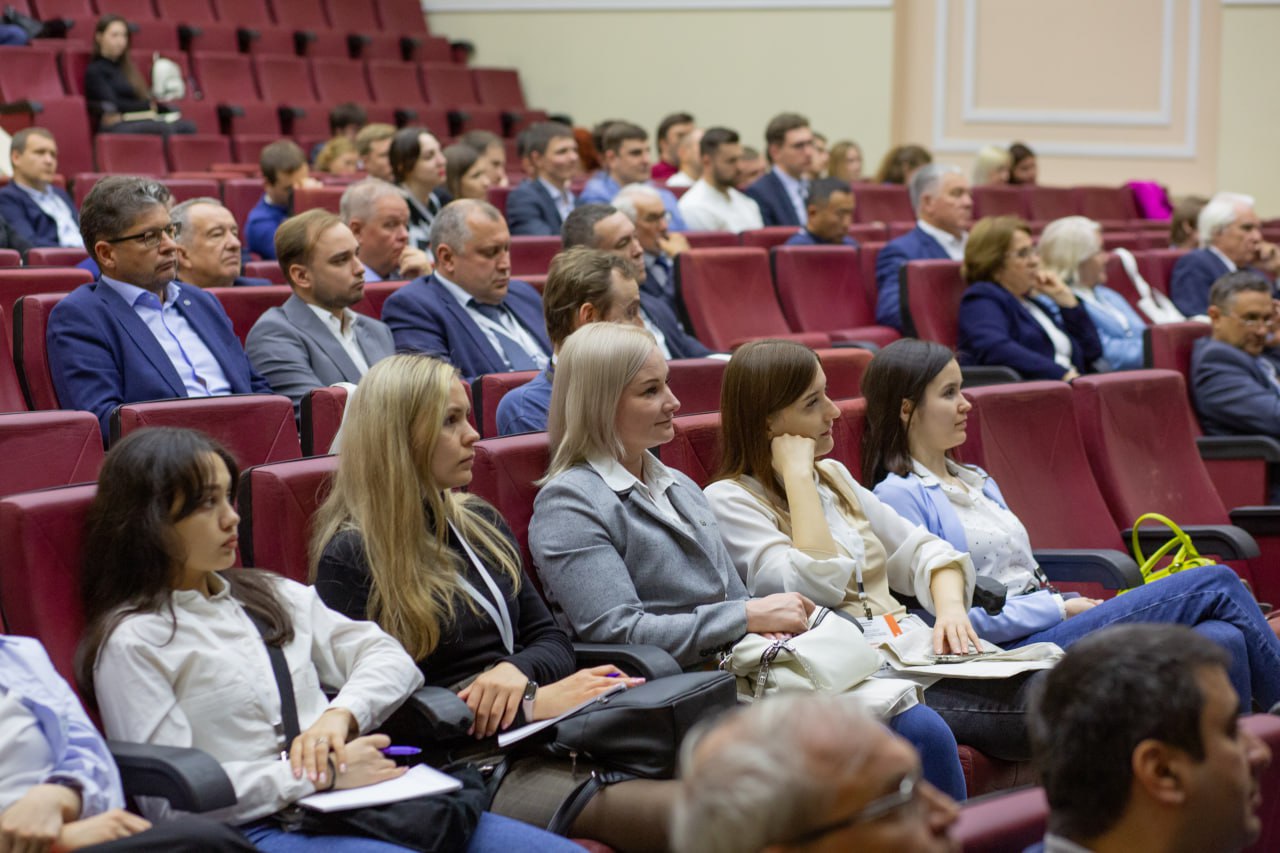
<point>1102,305</point>
<point>862,590</point>
<point>500,615</point>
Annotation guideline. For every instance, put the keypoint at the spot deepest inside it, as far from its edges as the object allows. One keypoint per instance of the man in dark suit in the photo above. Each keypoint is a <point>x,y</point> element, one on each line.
<point>315,339</point>
<point>469,311</point>
<point>39,212</point>
<point>137,334</point>
<point>1233,383</point>
<point>1230,239</point>
<point>944,210</point>
<point>830,208</point>
<point>378,216</point>
<point>539,205</point>
<point>209,245</point>
<point>782,191</point>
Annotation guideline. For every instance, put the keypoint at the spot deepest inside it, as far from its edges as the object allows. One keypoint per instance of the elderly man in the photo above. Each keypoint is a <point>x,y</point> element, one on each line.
<point>807,772</point>
<point>643,206</point>
<point>626,161</point>
<point>137,334</point>
<point>782,190</point>
<point>538,207</point>
<point>944,210</point>
<point>830,214</point>
<point>714,202</point>
<point>1230,239</point>
<point>469,311</point>
<point>39,212</point>
<point>1136,738</point>
<point>378,216</point>
<point>209,245</point>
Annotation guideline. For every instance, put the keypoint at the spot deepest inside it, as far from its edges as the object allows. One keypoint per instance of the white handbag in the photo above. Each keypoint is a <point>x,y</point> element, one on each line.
<point>831,657</point>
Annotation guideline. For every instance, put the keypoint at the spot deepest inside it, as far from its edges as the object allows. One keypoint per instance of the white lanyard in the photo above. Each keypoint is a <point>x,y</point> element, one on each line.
<point>500,615</point>
<point>1102,305</point>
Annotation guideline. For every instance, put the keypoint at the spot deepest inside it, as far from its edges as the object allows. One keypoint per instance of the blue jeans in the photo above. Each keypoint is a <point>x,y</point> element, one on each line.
<point>494,834</point>
<point>939,760</point>
<point>1214,602</point>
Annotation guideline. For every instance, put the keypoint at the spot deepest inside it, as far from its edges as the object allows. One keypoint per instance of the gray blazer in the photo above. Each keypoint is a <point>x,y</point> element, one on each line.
<point>615,570</point>
<point>293,349</point>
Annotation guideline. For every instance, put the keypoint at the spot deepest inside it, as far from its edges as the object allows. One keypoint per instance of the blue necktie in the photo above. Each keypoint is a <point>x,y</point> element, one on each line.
<point>516,357</point>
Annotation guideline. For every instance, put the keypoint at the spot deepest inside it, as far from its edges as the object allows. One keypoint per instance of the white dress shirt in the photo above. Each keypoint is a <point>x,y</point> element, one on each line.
<point>562,196</point>
<point>1231,265</point>
<point>680,179</point>
<point>705,208</point>
<point>56,209</point>
<point>653,488</point>
<point>796,191</point>
<point>509,326</point>
<point>953,245</point>
<point>345,331</point>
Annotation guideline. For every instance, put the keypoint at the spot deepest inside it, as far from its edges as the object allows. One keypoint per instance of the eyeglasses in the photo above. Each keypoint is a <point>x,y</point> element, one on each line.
<point>151,238</point>
<point>906,795</point>
<point>1252,319</point>
<point>1025,252</point>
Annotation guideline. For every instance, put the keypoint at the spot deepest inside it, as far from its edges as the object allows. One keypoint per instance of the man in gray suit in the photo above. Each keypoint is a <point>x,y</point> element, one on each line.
<point>315,339</point>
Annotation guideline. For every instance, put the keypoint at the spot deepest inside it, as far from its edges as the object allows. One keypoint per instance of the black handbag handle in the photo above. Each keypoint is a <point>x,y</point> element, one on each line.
<point>284,683</point>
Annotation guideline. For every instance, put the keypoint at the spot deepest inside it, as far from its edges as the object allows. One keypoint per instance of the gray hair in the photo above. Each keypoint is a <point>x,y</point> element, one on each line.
<point>181,215</point>
<point>768,773</point>
<point>359,198</point>
<point>1224,290</point>
<point>450,226</point>
<point>1068,242</point>
<point>1223,209</point>
<point>990,158</point>
<point>927,180</point>
<point>579,228</point>
<point>115,203</point>
<point>625,200</point>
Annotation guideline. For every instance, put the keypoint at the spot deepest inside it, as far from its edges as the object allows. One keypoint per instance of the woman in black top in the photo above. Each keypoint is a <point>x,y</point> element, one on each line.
<point>114,88</point>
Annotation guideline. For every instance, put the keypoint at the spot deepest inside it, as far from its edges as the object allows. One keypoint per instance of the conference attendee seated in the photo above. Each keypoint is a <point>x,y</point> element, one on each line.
<point>1233,375</point>
<point>944,210</point>
<point>1017,315</point>
<point>1138,747</point>
<point>119,99</point>
<point>643,206</point>
<point>539,206</point>
<point>601,226</point>
<point>493,150</point>
<point>830,207</point>
<point>417,167</point>
<point>1230,239</point>
<point>626,161</point>
<point>991,166</point>
<point>378,216</point>
<point>284,169</point>
<point>209,249</point>
<point>37,210</point>
<point>10,239</point>
<point>136,334</point>
<point>1023,168</point>
<point>672,130</point>
<point>690,160</point>
<point>373,142</point>
<point>469,311</point>
<point>846,161</point>
<point>900,164</point>
<point>751,167</point>
<point>466,172</point>
<point>338,157</point>
<point>1184,221</point>
<point>714,202</point>
<point>771,776</point>
<point>583,286</point>
<point>781,191</point>
<point>1071,249</point>
<point>161,192</point>
<point>315,339</point>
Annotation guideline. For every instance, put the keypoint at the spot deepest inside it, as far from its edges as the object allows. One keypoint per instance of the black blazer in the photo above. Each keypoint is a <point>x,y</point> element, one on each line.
<point>532,212</point>
<point>775,205</point>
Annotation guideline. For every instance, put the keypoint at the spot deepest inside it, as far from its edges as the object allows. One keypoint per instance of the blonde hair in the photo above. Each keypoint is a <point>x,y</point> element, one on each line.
<point>593,369</point>
<point>332,150</point>
<point>384,490</point>
<point>990,158</point>
<point>1068,242</point>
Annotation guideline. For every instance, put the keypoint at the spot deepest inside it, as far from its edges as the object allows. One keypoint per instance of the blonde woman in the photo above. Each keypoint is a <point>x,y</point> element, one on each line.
<point>991,168</point>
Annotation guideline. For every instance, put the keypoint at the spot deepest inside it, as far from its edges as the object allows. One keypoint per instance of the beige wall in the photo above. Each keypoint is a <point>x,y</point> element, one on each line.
<point>1249,120</point>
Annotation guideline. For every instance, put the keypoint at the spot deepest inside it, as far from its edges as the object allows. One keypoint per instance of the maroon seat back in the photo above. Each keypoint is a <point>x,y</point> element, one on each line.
<point>844,368</point>
<point>17,283</point>
<point>1104,204</point>
<point>11,396</point>
<point>392,82</point>
<point>325,198</point>
<point>9,258</point>
<point>695,450</point>
<point>1045,203</point>
<point>931,303</point>
<point>44,449</point>
<point>245,13</point>
<point>131,153</point>
<point>244,305</point>
<point>999,201</point>
<point>767,238</point>
<point>696,383</point>
<point>1004,823</point>
<point>489,392</point>
<point>226,78</point>
<point>712,239</point>
<point>1169,345</point>
<point>322,411</point>
<point>447,85</point>
<point>883,203</point>
<point>531,255</point>
<point>284,80</point>
<point>337,81</point>
<point>503,473</point>
<point>867,256</point>
<point>847,432</point>
<point>872,232</point>
<point>1156,266</point>
<point>499,87</point>
<point>30,319</point>
<point>821,289</point>
<point>277,503</point>
<point>256,428</point>
<point>1119,281</point>
<point>375,294</point>
<point>402,16</point>
<point>198,151</point>
<point>270,270</point>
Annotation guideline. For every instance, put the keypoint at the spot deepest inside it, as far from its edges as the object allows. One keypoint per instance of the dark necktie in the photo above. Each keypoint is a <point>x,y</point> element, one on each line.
<point>516,357</point>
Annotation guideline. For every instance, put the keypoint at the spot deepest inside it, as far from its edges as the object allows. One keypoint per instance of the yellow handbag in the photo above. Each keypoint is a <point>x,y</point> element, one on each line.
<point>1185,557</point>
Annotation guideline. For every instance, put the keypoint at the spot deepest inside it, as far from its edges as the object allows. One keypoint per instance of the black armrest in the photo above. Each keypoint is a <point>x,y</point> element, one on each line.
<point>440,709</point>
<point>24,107</point>
<point>1112,569</point>
<point>510,119</point>
<point>457,118</point>
<point>409,46</point>
<point>229,111</point>
<point>1262,447</point>
<point>245,37</point>
<point>405,116</point>
<point>635,660</point>
<point>288,115</point>
<point>302,40</point>
<point>866,345</point>
<point>1223,540</point>
<point>356,43</point>
<point>1257,520</point>
<point>188,778</point>
<point>975,375</point>
<point>187,33</point>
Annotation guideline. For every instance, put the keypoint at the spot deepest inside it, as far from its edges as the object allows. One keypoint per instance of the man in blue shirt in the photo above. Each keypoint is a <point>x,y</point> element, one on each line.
<point>284,169</point>
<point>39,212</point>
<point>626,161</point>
<point>830,208</point>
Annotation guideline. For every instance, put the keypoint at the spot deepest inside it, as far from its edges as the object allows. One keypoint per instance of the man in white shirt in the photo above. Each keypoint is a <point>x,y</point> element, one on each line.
<point>315,339</point>
<point>378,216</point>
<point>714,203</point>
<point>690,160</point>
<point>37,210</point>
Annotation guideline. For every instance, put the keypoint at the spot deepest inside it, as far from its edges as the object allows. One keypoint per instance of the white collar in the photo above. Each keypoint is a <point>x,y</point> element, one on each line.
<point>657,477</point>
<point>792,184</point>
<point>342,325</point>
<point>456,291</point>
<point>969,476</point>
<point>945,238</point>
<point>1231,266</point>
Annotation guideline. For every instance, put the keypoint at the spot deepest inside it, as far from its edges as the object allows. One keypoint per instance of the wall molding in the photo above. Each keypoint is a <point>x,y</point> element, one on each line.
<point>644,5</point>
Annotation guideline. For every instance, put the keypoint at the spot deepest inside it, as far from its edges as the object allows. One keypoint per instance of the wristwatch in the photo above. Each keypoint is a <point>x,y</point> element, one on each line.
<point>526,704</point>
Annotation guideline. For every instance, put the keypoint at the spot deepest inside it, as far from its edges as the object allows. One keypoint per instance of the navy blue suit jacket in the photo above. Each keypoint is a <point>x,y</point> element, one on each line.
<point>679,342</point>
<point>531,211</point>
<point>1233,394</point>
<point>775,205</point>
<point>915,245</point>
<point>1193,275</point>
<point>805,237</point>
<point>996,329</point>
<point>424,317</point>
<point>27,219</point>
<point>102,354</point>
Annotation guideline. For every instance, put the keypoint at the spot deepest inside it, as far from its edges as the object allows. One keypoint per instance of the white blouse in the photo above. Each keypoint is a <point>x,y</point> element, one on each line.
<point>209,684</point>
<point>1061,343</point>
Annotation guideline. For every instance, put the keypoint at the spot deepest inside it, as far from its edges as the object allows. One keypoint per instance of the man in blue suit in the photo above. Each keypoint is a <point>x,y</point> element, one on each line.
<point>944,210</point>
<point>40,213</point>
<point>627,161</point>
<point>782,192</point>
<point>538,206</point>
<point>136,334</point>
<point>1233,384</point>
<point>1230,239</point>
<point>469,311</point>
<point>830,215</point>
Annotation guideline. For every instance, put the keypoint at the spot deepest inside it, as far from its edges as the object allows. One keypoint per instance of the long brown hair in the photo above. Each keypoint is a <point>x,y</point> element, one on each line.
<point>900,371</point>
<point>125,62</point>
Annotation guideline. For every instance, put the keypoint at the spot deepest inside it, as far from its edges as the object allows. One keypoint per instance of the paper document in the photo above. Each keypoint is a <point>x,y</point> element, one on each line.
<point>420,781</point>
<point>505,739</point>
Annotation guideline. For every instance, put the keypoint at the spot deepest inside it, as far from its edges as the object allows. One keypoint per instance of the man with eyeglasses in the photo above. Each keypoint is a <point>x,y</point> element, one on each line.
<point>782,192</point>
<point>137,334</point>
<point>1230,239</point>
<point>806,772</point>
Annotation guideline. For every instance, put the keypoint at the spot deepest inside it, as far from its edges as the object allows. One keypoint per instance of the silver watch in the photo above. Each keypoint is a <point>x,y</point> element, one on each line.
<point>526,704</point>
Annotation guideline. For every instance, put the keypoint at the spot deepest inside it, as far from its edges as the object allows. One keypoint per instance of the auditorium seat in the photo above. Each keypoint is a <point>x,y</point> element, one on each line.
<point>712,239</point>
<point>767,238</point>
<point>532,255</point>
<point>376,293</point>
<point>1123,240</point>
<point>695,449</point>
<point>500,88</point>
<point>256,428</point>
<point>846,434</point>
<point>844,368</point>
<point>337,81</point>
<point>30,318</point>
<point>244,305</point>
<point>67,118</point>
<point>868,232</point>
<point>56,256</point>
<point>270,270</point>
<point>325,198</point>
<point>394,82</point>
<point>321,418</point>
<point>883,203</point>
<point>277,502</point>
<point>1048,203</point>
<point>931,292</point>
<point>402,16</point>
<point>1119,281</point>
<point>27,74</point>
<point>497,196</point>
<point>867,255</point>
<point>696,383</point>
<point>45,449</point>
<point>266,40</point>
<point>9,258</point>
<point>450,86</point>
<point>134,11</point>
<point>186,11</point>
<point>998,201</point>
<point>320,42</point>
<point>240,195</point>
<point>227,79</point>
<point>730,298</point>
<point>243,13</point>
<point>17,283</point>
<point>488,391</point>
<point>820,289</point>
<point>1003,823</point>
<point>11,397</point>
<point>184,189</point>
<point>1156,266</point>
<point>1107,204</point>
<point>504,473</point>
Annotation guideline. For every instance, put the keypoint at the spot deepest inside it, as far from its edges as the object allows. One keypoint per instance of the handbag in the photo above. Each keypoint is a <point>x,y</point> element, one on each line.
<point>831,657</point>
<point>1185,557</point>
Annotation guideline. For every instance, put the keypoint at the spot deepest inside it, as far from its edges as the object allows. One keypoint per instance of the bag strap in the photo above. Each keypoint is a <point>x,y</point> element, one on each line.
<point>284,683</point>
<point>569,809</point>
<point>1180,540</point>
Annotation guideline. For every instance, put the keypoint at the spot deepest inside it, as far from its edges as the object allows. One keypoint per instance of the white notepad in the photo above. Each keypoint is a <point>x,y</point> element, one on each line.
<point>420,781</point>
<point>505,739</point>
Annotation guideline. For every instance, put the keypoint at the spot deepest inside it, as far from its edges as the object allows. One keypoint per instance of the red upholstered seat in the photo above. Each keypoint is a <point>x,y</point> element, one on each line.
<point>256,428</point>
<point>375,294</point>
<point>316,41</point>
<point>696,383</point>
<point>711,239</point>
<point>730,298</point>
<point>270,270</point>
<point>394,82</point>
<point>325,198</point>
<point>186,11</point>
<point>488,393</point>
<point>532,255</point>
<point>135,11</point>
<point>846,435</point>
<point>277,503</point>
<point>131,153</point>
<point>499,87</point>
<point>284,80</point>
<point>58,256</point>
<point>228,80</point>
<point>868,231</point>
<point>183,189</point>
<point>1007,823</point>
<point>10,258</point>
<point>402,16</point>
<point>448,85</point>
<point>322,411</point>
<point>767,238</point>
<point>867,255</point>
<point>337,81</point>
<point>269,39</point>
<point>244,13</point>
<point>16,283</point>
<point>1156,266</point>
<point>198,151</point>
<point>497,196</point>
<point>844,368</point>
<point>503,473</point>
<point>883,203</point>
<point>695,450</point>
<point>1168,345</point>
<point>1119,281</point>
<point>931,303</point>
<point>240,195</point>
<point>11,396</point>
<point>820,289</point>
<point>999,201</point>
<point>244,305</point>
<point>44,449</point>
<point>30,318</point>
<point>1045,203</point>
<point>1107,204</point>
<point>27,74</point>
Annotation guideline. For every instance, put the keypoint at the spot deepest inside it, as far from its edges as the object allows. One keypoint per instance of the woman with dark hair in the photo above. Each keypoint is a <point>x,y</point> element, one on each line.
<point>467,172</point>
<point>417,168</point>
<point>916,416</point>
<point>901,162</point>
<point>119,101</point>
<point>1017,315</point>
<point>176,651</point>
<point>1023,168</point>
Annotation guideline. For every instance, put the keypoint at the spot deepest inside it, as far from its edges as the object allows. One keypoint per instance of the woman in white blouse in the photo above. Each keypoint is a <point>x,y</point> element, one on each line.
<point>916,415</point>
<point>172,655</point>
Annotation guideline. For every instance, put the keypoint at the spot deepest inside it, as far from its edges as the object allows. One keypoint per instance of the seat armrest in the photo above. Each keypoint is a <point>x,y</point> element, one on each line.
<point>975,375</point>
<point>1113,569</point>
<point>635,660</point>
<point>1257,520</point>
<point>1262,447</point>
<point>1224,540</point>
<point>866,345</point>
<point>190,779</point>
<point>440,710</point>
